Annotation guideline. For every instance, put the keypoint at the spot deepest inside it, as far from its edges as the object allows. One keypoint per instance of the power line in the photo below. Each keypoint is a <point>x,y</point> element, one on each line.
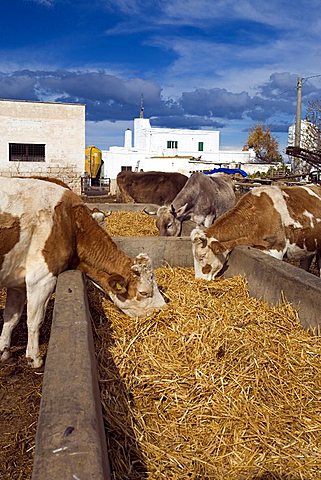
<point>304,79</point>
<point>311,76</point>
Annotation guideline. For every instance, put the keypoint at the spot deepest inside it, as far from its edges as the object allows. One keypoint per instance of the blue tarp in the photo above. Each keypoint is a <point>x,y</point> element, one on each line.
<point>230,171</point>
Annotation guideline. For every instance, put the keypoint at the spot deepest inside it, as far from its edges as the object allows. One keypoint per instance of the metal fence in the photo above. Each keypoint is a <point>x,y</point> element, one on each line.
<point>94,186</point>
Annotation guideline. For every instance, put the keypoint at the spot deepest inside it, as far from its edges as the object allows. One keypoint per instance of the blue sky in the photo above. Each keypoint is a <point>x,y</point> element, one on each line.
<point>212,64</point>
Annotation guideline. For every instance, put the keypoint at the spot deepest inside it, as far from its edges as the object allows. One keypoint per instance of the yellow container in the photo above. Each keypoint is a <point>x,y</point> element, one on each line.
<point>92,160</point>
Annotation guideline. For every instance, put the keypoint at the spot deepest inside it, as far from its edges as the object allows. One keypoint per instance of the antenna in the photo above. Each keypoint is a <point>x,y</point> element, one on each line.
<point>141,113</point>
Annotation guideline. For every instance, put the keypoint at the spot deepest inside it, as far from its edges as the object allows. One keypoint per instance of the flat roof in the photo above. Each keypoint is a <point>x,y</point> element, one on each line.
<point>39,101</point>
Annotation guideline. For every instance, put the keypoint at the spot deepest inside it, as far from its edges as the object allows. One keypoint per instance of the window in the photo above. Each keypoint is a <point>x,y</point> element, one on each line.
<point>26,152</point>
<point>125,169</point>
<point>171,144</point>
<point>200,146</point>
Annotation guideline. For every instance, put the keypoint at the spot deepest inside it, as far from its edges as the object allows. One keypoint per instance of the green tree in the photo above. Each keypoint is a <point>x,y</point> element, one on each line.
<point>265,146</point>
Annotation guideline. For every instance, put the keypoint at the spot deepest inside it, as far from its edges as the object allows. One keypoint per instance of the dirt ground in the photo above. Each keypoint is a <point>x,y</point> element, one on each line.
<point>20,395</point>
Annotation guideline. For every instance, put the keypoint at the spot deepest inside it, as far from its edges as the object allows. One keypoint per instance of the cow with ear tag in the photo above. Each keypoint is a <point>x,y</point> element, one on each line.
<point>48,232</point>
<point>143,290</point>
<point>278,221</point>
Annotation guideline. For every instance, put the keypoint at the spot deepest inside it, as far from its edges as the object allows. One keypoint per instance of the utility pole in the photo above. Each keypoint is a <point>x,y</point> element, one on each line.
<point>141,113</point>
<point>297,138</point>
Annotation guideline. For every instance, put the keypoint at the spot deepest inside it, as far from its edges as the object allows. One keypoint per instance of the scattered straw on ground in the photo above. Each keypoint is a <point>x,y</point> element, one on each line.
<point>20,395</point>
<point>131,224</point>
<point>217,385</point>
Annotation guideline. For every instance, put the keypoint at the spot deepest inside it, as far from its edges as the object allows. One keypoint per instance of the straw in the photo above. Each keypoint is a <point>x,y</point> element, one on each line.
<point>215,385</point>
<point>131,224</point>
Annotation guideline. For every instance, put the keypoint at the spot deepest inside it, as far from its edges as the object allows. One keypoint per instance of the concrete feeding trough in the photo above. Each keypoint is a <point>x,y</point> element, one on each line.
<point>70,440</point>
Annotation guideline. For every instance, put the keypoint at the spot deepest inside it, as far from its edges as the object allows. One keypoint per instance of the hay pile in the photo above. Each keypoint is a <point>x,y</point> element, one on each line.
<point>20,395</point>
<point>3,296</point>
<point>129,224</point>
<point>217,385</point>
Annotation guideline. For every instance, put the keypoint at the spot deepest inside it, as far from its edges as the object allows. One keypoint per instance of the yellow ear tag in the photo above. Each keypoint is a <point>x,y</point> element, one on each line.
<point>118,286</point>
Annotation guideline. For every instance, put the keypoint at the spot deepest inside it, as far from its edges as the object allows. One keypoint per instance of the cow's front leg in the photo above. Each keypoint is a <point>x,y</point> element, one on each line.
<point>14,307</point>
<point>318,260</point>
<point>305,262</point>
<point>38,296</point>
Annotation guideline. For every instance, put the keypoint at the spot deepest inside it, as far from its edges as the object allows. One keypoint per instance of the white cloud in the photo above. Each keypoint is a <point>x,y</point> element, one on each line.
<point>47,3</point>
<point>283,14</point>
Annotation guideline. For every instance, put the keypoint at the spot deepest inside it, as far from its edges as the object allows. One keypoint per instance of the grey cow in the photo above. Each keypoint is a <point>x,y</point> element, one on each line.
<point>202,200</point>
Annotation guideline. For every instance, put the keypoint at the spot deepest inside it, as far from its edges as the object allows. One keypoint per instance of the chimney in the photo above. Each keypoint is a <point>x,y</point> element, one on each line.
<point>128,139</point>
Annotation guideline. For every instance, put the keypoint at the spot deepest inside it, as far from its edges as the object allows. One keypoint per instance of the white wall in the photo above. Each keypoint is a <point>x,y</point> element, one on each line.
<point>309,135</point>
<point>113,161</point>
<point>150,152</point>
<point>60,126</point>
<point>151,139</point>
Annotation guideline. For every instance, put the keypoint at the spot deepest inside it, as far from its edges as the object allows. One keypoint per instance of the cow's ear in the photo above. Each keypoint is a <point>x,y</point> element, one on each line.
<point>98,216</point>
<point>180,211</point>
<point>173,211</point>
<point>117,283</point>
<point>218,247</point>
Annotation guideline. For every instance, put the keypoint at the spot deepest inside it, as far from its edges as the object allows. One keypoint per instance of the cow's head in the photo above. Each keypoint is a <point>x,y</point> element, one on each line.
<point>169,220</point>
<point>100,216</point>
<point>138,295</point>
<point>209,255</point>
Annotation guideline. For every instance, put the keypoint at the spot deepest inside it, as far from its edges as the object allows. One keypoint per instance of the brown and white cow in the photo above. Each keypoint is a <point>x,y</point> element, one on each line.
<point>277,220</point>
<point>159,188</point>
<point>46,229</point>
<point>201,200</point>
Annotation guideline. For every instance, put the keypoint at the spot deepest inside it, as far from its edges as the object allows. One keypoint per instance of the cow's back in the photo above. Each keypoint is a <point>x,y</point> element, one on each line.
<point>29,215</point>
<point>27,197</point>
<point>204,194</point>
<point>159,188</point>
<point>223,192</point>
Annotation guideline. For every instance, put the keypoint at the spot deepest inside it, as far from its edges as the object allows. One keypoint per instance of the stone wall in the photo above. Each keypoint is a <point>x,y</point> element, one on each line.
<point>60,127</point>
<point>68,175</point>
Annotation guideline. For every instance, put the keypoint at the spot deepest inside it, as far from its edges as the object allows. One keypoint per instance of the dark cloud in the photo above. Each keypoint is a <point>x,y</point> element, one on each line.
<point>20,86</point>
<point>284,86</point>
<point>108,97</point>
<point>185,121</point>
<point>279,127</point>
<point>100,86</point>
<point>270,106</point>
<point>279,85</point>
<point>215,102</point>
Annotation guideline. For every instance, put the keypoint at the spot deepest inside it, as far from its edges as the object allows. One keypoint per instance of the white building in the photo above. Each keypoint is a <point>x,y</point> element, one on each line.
<point>42,138</point>
<point>309,140</point>
<point>309,135</point>
<point>174,150</point>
